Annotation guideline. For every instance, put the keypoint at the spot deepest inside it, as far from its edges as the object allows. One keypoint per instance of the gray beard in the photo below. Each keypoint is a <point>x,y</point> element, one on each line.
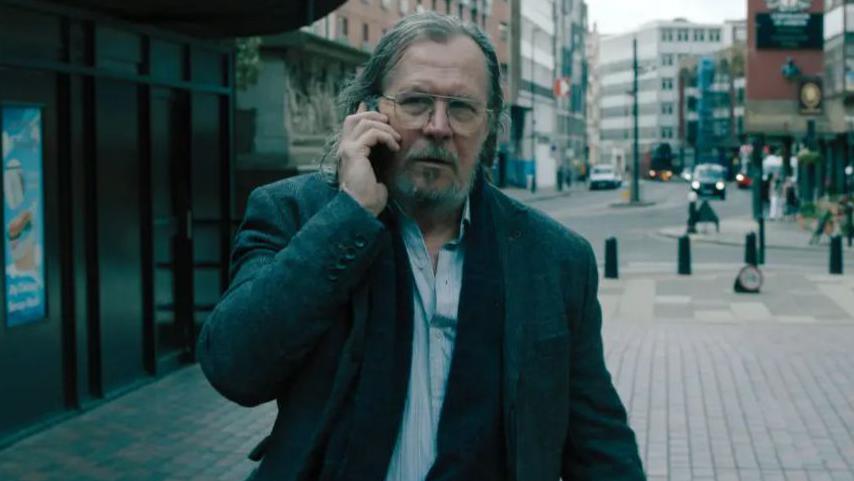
<point>405,192</point>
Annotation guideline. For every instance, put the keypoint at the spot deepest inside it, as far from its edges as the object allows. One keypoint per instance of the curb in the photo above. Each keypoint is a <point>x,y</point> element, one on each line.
<point>818,248</point>
<point>540,198</point>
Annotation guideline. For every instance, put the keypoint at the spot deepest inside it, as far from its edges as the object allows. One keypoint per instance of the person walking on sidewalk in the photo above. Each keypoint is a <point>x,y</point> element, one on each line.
<point>411,321</point>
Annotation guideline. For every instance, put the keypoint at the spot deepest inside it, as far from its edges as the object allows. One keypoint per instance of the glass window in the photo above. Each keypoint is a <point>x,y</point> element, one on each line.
<point>667,84</point>
<point>503,31</point>
<point>366,32</point>
<point>667,59</point>
<point>404,6</point>
<point>699,35</point>
<point>714,35</point>
<point>666,35</point>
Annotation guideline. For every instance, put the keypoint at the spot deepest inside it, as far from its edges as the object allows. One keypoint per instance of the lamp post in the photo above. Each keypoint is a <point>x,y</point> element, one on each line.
<point>533,112</point>
<point>635,150</point>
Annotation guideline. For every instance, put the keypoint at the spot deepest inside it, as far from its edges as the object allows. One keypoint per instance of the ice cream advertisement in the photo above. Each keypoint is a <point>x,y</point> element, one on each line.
<point>23,218</point>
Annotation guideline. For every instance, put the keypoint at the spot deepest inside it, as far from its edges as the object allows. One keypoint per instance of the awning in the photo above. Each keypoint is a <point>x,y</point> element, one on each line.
<point>214,18</point>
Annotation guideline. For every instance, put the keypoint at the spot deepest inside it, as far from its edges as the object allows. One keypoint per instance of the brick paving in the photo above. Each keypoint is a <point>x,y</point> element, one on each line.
<point>718,386</point>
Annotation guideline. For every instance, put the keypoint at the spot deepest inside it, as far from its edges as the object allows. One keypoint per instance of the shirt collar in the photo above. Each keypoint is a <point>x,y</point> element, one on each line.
<point>409,223</point>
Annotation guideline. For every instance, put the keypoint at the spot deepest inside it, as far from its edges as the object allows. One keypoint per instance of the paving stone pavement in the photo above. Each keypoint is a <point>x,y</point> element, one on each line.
<point>718,386</point>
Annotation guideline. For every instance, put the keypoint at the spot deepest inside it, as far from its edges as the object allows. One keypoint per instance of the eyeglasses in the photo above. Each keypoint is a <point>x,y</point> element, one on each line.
<point>414,109</point>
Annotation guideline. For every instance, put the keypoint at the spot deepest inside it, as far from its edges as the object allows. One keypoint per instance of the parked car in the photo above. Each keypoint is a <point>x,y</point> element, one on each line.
<point>662,175</point>
<point>604,176</point>
<point>709,181</point>
<point>743,181</point>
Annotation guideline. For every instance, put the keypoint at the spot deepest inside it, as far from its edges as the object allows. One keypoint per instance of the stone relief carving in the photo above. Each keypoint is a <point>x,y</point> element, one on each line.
<point>310,100</point>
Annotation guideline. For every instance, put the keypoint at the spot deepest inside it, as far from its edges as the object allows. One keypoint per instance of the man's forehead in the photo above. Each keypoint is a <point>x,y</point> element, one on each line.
<point>454,66</point>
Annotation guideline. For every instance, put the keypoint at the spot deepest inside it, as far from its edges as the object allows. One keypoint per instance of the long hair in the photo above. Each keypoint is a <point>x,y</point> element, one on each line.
<point>369,81</point>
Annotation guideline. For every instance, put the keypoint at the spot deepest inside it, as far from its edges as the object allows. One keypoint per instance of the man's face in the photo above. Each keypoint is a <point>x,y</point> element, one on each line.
<point>436,163</point>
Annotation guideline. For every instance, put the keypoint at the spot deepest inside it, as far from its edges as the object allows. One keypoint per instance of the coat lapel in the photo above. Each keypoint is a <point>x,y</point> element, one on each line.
<point>510,220</point>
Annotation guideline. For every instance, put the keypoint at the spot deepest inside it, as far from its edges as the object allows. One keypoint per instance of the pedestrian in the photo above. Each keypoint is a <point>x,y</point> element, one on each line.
<point>791,195</point>
<point>776,198</point>
<point>411,321</point>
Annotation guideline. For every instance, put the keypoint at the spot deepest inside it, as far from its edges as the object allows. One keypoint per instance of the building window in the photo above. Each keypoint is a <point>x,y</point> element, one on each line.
<point>667,59</point>
<point>666,35</point>
<point>434,5</point>
<point>448,7</point>
<point>404,6</point>
<point>342,27</point>
<point>386,4</point>
<point>714,35</point>
<point>483,21</point>
<point>667,132</point>
<point>460,10</point>
<point>667,108</point>
<point>667,84</point>
<point>682,35</point>
<point>699,35</point>
<point>503,31</point>
<point>366,32</point>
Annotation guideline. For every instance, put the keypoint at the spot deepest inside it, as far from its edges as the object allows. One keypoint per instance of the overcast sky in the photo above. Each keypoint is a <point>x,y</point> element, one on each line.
<point>618,16</point>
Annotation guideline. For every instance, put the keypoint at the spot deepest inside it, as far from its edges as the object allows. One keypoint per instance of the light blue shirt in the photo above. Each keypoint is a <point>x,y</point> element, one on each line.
<point>436,299</point>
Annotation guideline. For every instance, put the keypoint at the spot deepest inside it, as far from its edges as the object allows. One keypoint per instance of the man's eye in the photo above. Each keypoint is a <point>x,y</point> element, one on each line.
<point>461,106</point>
<point>416,103</point>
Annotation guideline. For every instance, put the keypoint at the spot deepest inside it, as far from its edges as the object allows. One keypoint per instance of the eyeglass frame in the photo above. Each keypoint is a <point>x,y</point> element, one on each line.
<point>446,98</point>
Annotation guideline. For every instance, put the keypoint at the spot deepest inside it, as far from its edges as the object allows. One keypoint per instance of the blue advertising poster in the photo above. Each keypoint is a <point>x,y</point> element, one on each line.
<point>23,213</point>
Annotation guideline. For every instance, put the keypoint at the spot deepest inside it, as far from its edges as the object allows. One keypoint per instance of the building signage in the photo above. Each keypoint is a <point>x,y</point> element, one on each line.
<point>810,96</point>
<point>23,213</point>
<point>790,31</point>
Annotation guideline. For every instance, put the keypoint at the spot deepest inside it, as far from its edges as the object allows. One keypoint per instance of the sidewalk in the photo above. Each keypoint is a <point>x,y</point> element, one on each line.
<point>543,193</point>
<point>779,234</point>
<point>719,386</point>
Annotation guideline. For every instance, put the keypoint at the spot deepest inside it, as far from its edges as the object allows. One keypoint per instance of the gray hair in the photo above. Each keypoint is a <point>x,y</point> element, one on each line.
<point>369,81</point>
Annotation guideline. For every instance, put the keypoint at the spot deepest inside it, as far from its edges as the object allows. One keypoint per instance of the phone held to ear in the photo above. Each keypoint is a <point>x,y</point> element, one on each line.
<point>380,153</point>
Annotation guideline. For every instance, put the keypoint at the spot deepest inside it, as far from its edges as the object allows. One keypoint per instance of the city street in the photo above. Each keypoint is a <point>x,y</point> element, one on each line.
<point>718,385</point>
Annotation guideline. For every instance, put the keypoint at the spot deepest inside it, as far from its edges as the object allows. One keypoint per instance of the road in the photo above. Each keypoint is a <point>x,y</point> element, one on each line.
<point>592,215</point>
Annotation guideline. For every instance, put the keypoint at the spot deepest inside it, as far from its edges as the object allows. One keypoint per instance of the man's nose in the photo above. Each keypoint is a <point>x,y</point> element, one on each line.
<point>438,124</point>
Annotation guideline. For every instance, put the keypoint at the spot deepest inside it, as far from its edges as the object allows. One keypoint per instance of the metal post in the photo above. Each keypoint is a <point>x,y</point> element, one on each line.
<point>758,204</point>
<point>836,255</point>
<point>636,153</point>
<point>611,269</point>
<point>685,255</point>
<point>750,255</point>
<point>533,112</point>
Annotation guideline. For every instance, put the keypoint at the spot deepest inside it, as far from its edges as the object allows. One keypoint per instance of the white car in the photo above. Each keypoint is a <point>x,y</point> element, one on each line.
<point>604,176</point>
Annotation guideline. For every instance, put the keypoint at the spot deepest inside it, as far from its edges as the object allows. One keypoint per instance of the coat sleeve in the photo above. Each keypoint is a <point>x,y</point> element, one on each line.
<point>600,445</point>
<point>286,281</point>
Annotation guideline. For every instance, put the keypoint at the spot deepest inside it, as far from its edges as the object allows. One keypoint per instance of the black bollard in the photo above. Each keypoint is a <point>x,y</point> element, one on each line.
<point>750,255</point>
<point>611,270</point>
<point>836,255</point>
<point>685,255</point>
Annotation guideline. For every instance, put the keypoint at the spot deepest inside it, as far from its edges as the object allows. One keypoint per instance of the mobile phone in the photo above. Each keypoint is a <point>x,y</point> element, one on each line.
<point>380,153</point>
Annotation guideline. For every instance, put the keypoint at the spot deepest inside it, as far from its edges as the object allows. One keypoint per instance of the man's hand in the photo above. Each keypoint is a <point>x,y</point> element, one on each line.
<point>361,132</point>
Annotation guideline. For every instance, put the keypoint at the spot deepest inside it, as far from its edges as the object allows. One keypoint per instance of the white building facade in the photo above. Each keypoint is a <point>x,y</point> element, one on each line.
<point>537,72</point>
<point>594,91</point>
<point>661,45</point>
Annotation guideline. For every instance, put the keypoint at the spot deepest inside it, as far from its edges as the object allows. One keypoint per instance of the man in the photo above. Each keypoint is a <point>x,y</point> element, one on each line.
<point>410,320</point>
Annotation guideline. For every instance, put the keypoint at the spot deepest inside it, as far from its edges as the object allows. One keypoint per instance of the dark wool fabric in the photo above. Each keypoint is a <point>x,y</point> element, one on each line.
<point>470,441</point>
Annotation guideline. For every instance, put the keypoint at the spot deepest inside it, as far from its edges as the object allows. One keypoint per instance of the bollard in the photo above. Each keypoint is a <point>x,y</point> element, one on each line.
<point>750,255</point>
<point>836,255</point>
<point>611,270</point>
<point>685,255</point>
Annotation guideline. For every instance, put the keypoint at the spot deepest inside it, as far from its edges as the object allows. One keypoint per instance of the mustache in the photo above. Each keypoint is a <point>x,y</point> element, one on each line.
<point>432,152</point>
